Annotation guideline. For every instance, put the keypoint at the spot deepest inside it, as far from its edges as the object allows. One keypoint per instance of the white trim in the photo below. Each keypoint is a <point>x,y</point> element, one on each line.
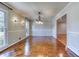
<point>74,50</point>
<point>5,23</point>
<point>16,31</point>
<point>74,35</point>
<point>73,32</point>
<point>60,14</point>
<point>11,45</point>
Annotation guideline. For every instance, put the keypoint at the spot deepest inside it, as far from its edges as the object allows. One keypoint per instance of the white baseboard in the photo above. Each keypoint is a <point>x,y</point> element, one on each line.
<point>10,45</point>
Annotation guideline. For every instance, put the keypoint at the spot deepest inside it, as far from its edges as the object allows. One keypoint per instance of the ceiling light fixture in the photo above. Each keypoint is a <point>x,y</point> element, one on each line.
<point>39,21</point>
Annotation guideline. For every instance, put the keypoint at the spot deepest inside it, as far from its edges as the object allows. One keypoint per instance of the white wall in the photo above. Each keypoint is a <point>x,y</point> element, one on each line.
<point>72,11</point>
<point>44,29</point>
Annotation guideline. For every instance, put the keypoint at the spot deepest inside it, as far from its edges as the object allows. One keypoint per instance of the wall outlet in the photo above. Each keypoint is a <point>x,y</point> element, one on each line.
<point>19,38</point>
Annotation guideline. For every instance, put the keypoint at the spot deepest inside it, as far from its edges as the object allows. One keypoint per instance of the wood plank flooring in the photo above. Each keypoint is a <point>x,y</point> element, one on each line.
<point>62,38</point>
<point>40,46</point>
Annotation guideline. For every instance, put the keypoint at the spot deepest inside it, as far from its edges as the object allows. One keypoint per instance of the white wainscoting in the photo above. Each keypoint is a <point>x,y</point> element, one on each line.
<point>73,42</point>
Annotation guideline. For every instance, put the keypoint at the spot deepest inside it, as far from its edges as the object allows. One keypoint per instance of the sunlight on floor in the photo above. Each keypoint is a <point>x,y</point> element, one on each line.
<point>60,55</point>
<point>26,49</point>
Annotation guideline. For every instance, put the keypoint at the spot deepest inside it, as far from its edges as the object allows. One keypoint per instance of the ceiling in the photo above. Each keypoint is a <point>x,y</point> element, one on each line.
<point>31,9</point>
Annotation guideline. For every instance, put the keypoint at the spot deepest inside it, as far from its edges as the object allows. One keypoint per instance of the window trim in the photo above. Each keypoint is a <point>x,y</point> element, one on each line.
<point>5,25</point>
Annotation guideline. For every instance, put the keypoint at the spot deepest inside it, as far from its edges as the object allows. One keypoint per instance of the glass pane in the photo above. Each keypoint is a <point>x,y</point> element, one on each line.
<point>1,19</point>
<point>2,29</point>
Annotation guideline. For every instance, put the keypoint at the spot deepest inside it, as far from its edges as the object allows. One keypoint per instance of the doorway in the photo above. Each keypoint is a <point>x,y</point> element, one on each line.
<point>61,29</point>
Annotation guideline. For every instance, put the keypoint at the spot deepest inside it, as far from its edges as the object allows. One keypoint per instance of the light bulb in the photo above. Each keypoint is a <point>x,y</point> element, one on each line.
<point>22,22</point>
<point>15,20</point>
<point>39,22</point>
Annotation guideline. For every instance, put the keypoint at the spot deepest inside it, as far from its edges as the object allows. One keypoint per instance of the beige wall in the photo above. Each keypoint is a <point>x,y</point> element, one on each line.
<point>14,30</point>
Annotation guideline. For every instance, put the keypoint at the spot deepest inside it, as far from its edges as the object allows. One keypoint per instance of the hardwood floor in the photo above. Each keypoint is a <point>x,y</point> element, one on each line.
<point>36,47</point>
<point>62,38</point>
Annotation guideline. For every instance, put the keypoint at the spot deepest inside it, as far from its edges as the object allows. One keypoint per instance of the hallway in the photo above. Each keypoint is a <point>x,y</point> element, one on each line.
<point>37,47</point>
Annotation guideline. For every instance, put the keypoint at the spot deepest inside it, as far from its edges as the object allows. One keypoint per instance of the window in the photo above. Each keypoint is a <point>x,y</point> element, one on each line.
<point>2,29</point>
<point>27,28</point>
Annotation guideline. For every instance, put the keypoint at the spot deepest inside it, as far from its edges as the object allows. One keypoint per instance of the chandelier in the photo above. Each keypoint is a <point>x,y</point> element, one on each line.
<point>39,21</point>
